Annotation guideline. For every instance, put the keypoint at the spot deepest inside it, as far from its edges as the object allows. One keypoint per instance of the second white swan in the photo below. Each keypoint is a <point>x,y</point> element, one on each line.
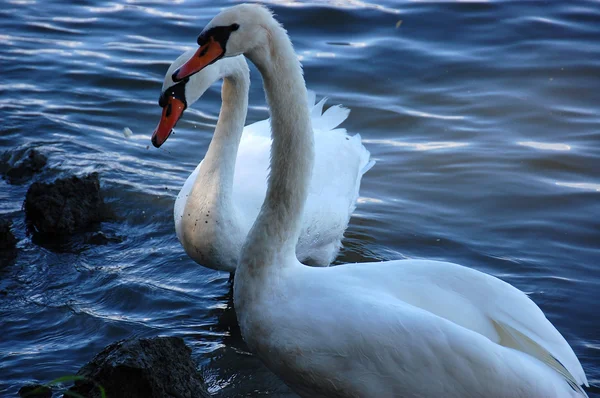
<point>222,197</point>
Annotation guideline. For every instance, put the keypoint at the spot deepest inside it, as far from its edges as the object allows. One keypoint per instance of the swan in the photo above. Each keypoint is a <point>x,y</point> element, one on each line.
<point>404,328</point>
<point>220,200</point>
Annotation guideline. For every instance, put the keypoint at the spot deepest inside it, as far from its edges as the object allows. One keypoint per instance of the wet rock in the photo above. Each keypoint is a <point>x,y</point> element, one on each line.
<point>149,368</point>
<point>35,391</point>
<point>7,239</point>
<point>66,205</point>
<point>100,238</point>
<point>21,163</point>
<point>8,243</point>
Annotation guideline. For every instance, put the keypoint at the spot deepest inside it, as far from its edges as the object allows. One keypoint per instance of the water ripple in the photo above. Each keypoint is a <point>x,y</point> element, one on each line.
<point>546,146</point>
<point>588,186</point>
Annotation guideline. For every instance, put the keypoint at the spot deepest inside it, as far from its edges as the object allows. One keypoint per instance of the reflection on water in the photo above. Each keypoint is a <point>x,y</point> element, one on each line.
<point>546,145</point>
<point>483,118</point>
<point>419,146</point>
<point>580,185</point>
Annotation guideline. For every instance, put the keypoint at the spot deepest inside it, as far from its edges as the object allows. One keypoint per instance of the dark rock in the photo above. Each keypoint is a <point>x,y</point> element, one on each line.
<point>148,368</point>
<point>100,238</point>
<point>66,205</point>
<point>7,239</point>
<point>35,391</point>
<point>8,243</point>
<point>21,163</point>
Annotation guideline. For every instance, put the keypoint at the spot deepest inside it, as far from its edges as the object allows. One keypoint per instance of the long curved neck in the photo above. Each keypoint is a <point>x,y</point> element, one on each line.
<point>217,170</point>
<point>275,232</point>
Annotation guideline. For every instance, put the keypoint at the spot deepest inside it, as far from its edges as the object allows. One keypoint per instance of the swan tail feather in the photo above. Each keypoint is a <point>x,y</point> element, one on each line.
<point>328,120</point>
<point>368,166</point>
<point>333,117</point>
<point>511,337</point>
<point>317,110</point>
<point>366,162</point>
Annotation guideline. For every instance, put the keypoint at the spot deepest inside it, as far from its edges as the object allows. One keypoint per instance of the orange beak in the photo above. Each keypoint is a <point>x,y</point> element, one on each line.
<point>170,115</point>
<point>210,52</point>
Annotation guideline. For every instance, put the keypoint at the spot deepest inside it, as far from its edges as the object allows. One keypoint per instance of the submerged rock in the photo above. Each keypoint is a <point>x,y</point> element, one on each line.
<point>148,368</point>
<point>100,238</point>
<point>8,243</point>
<point>35,391</point>
<point>66,205</point>
<point>21,163</point>
<point>7,239</point>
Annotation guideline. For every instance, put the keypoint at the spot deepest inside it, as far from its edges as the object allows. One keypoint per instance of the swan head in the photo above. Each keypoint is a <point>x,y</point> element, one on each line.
<point>175,97</point>
<point>234,31</point>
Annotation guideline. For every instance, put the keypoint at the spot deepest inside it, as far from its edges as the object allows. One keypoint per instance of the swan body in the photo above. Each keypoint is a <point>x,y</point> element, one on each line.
<point>220,200</point>
<point>406,328</point>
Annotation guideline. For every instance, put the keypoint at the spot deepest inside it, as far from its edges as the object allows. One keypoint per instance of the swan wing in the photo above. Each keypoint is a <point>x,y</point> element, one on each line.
<point>340,162</point>
<point>478,302</point>
<point>417,328</point>
<point>521,324</point>
<point>410,352</point>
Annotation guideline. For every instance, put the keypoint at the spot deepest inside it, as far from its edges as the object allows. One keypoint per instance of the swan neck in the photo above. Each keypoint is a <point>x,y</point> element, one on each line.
<point>218,166</point>
<point>275,233</point>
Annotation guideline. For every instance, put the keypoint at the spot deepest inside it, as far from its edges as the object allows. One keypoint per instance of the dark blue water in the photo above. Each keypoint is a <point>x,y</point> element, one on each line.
<point>484,119</point>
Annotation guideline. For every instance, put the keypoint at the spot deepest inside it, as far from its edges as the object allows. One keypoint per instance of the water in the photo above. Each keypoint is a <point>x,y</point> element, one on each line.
<point>483,118</point>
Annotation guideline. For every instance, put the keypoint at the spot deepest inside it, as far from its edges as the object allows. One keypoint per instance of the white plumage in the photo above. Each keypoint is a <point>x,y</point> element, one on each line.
<point>212,224</point>
<point>407,328</point>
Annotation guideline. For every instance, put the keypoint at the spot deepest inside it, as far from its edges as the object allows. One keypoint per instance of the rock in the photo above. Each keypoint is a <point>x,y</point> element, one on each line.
<point>148,368</point>
<point>66,205</point>
<point>100,238</point>
<point>8,243</point>
<point>35,391</point>
<point>21,163</point>
<point>7,239</point>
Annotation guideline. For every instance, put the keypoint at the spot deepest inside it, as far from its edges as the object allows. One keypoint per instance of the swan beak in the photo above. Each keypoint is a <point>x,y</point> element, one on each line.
<point>170,115</point>
<point>208,53</point>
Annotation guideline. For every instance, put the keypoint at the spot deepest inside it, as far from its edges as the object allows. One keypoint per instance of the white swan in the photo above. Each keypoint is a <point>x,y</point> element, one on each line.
<point>407,328</point>
<point>222,197</point>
